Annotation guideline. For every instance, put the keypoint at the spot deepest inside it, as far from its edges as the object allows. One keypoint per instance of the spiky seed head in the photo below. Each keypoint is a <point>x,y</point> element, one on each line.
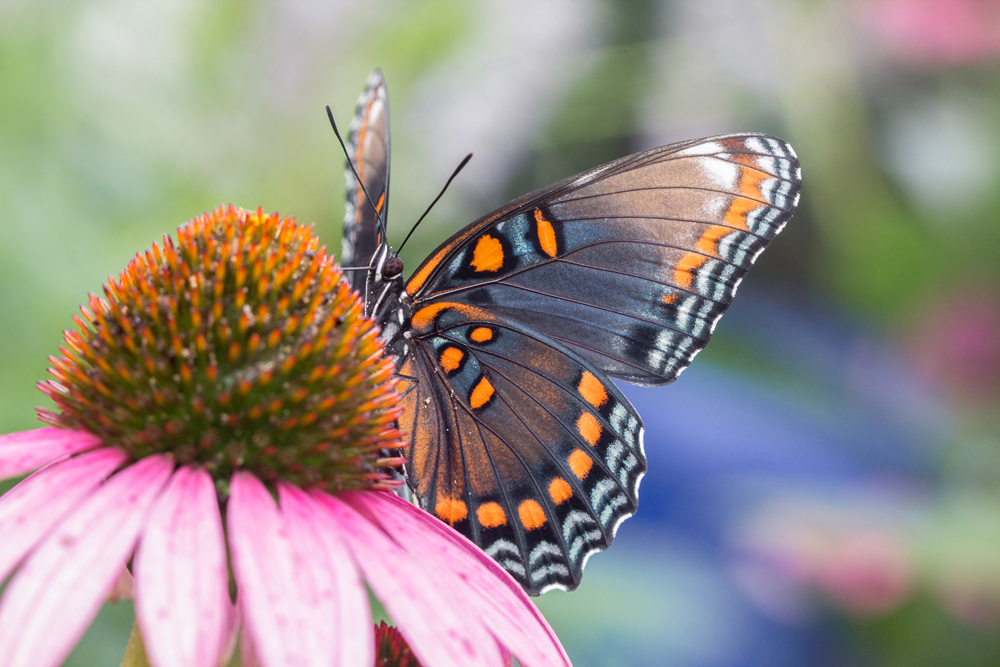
<point>237,346</point>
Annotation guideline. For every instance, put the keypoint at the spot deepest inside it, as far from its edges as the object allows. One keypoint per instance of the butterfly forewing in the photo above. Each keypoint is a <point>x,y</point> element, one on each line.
<point>368,148</point>
<point>519,443</point>
<point>630,264</point>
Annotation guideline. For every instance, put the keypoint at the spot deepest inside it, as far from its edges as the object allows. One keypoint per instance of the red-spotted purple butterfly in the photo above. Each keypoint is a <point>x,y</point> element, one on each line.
<point>507,335</point>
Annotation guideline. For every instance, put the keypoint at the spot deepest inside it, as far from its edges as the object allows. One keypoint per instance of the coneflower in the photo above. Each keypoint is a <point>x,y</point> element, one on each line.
<point>224,428</point>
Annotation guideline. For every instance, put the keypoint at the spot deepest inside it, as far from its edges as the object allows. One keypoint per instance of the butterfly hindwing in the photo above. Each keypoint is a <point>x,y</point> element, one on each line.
<point>518,442</point>
<point>630,264</point>
<point>368,147</point>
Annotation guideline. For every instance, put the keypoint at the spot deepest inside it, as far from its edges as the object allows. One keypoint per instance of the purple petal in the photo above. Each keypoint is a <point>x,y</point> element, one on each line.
<point>30,509</point>
<point>474,578</point>
<point>182,580</point>
<point>329,583</point>
<point>436,626</point>
<point>29,450</point>
<point>59,588</point>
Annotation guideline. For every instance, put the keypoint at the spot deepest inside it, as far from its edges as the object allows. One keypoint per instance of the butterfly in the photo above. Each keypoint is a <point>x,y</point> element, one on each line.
<point>507,335</point>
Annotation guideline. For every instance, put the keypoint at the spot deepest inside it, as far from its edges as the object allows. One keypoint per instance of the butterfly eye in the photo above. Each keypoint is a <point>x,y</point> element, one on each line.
<point>392,268</point>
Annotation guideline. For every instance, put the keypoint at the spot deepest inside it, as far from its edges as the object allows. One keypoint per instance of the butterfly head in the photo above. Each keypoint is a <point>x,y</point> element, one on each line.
<point>385,272</point>
<point>392,269</point>
<point>384,300</point>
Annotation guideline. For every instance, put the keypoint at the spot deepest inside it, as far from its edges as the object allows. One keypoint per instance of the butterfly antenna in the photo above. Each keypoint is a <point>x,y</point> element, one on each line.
<point>459,168</point>
<point>354,171</point>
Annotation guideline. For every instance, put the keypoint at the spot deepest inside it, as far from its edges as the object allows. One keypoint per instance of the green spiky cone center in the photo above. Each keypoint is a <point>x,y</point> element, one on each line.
<point>237,346</point>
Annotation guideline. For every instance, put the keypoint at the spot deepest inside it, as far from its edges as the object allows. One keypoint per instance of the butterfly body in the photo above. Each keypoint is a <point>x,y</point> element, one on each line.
<point>507,335</point>
<point>387,302</point>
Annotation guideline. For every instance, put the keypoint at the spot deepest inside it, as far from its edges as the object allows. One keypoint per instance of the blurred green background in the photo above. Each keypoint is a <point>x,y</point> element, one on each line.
<point>843,506</point>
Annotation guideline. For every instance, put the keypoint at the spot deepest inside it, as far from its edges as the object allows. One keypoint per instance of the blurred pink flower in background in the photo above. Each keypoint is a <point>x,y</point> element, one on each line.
<point>866,571</point>
<point>788,549</point>
<point>936,31</point>
<point>955,344</point>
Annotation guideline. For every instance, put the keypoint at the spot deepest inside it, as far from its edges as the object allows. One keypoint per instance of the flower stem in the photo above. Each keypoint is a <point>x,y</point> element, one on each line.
<point>135,653</point>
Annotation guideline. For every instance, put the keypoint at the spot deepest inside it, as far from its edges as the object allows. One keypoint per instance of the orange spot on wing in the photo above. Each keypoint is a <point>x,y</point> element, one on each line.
<point>580,463</point>
<point>592,390</point>
<point>709,241</point>
<point>750,182</point>
<point>451,358</point>
<point>589,428</point>
<point>418,279</point>
<point>381,203</point>
<point>546,235</point>
<point>736,215</point>
<point>359,164</point>
<point>482,394</point>
<point>531,514</point>
<point>748,199</point>
<point>684,271</point>
<point>423,319</point>
<point>481,334</point>
<point>560,491</point>
<point>745,159</point>
<point>670,299</point>
<point>488,254</point>
<point>451,510</point>
<point>491,515</point>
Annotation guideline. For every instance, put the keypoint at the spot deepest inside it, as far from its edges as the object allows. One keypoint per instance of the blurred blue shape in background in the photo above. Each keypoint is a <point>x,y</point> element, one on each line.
<point>721,446</point>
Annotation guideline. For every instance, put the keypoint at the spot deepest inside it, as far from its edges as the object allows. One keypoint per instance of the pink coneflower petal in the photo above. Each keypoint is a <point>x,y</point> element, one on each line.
<point>30,450</point>
<point>274,572</point>
<point>232,634</point>
<point>487,591</point>
<point>433,625</point>
<point>59,588</point>
<point>182,592</point>
<point>262,565</point>
<point>330,583</point>
<point>30,509</point>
